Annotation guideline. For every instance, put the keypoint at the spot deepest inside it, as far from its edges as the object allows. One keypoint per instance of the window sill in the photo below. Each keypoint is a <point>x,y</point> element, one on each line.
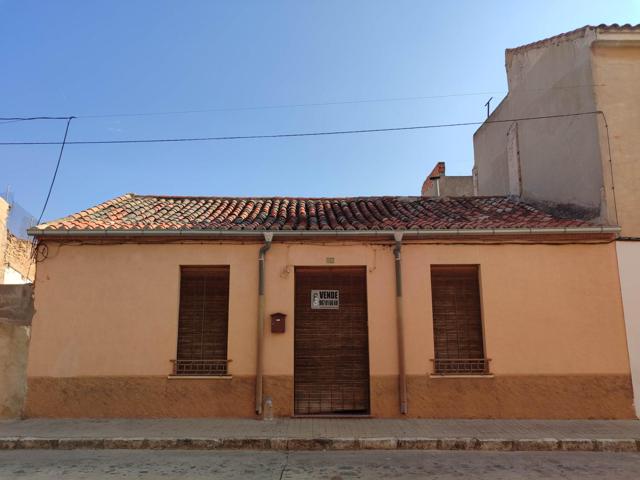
<point>199,377</point>
<point>481,375</point>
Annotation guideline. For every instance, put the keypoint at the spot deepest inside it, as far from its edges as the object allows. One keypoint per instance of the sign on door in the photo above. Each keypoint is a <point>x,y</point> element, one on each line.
<point>325,299</point>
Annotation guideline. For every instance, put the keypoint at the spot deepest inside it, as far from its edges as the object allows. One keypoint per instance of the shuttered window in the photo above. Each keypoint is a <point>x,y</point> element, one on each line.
<point>203,321</point>
<point>457,322</point>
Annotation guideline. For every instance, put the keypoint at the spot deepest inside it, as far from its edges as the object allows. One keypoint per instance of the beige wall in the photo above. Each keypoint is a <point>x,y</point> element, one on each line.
<point>449,187</point>
<point>559,158</point>
<point>617,67</point>
<point>567,160</point>
<point>113,310</point>
<point>629,262</point>
<point>14,347</point>
<point>16,312</point>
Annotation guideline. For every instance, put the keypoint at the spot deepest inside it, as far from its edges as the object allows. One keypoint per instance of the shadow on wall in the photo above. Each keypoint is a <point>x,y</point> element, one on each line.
<point>16,312</point>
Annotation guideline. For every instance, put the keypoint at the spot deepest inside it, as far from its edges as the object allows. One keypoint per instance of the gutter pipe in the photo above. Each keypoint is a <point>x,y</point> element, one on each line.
<point>37,232</point>
<point>268,237</point>
<point>402,374</point>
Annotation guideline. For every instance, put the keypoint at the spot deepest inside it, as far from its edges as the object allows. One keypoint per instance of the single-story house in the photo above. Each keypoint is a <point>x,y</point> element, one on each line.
<point>459,307</point>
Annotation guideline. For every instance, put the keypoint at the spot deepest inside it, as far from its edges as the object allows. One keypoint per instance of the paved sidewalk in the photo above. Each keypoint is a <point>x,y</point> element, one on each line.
<point>308,434</point>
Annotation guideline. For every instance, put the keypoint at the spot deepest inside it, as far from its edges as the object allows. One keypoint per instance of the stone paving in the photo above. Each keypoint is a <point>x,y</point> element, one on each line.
<point>309,434</point>
<point>320,428</point>
<point>270,465</point>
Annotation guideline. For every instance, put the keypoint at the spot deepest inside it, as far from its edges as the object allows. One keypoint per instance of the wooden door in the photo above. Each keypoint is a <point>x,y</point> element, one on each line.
<point>331,341</point>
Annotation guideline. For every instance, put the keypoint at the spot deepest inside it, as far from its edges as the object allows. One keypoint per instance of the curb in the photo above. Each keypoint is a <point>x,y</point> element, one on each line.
<point>288,444</point>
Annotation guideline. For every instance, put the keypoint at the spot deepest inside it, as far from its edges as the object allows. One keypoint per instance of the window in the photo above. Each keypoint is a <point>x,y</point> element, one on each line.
<point>203,321</point>
<point>457,323</point>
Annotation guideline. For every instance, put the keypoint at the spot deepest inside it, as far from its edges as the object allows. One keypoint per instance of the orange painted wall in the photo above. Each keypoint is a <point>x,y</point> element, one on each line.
<point>113,310</point>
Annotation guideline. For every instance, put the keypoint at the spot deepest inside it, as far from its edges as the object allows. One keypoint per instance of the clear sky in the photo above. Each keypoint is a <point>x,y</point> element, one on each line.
<point>113,57</point>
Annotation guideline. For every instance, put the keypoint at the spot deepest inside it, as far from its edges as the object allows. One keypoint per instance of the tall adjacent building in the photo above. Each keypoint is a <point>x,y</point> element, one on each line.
<point>567,138</point>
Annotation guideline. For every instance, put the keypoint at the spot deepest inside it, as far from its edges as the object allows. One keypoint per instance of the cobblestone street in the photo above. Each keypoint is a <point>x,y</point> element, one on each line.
<point>231,465</point>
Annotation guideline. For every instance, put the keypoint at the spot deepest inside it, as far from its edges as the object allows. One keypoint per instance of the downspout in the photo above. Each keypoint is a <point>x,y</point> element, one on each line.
<point>268,237</point>
<point>402,374</point>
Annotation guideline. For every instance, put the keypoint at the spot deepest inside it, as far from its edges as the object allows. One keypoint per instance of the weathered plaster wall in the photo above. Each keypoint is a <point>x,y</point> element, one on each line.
<point>616,66</point>
<point>18,257</point>
<point>559,157</point>
<point>14,346</point>
<point>4,214</point>
<point>629,264</point>
<point>547,319</point>
<point>16,311</point>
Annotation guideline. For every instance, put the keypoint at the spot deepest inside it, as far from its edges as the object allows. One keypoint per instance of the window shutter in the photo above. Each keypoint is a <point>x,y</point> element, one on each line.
<point>457,323</point>
<point>203,320</point>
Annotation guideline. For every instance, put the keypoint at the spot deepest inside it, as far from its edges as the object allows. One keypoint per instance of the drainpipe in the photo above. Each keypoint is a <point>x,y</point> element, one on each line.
<point>402,380</point>
<point>268,237</point>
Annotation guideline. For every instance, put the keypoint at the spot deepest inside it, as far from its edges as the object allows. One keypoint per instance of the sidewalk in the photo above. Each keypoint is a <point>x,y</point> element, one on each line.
<point>313,434</point>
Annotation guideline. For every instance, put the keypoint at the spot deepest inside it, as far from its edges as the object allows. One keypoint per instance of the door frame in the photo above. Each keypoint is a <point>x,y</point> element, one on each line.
<point>320,268</point>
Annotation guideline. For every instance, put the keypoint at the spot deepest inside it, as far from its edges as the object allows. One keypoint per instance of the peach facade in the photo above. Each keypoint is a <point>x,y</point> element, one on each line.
<point>629,264</point>
<point>105,330</point>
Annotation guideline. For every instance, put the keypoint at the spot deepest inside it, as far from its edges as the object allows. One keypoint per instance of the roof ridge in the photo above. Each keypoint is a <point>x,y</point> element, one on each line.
<point>575,33</point>
<point>292,197</point>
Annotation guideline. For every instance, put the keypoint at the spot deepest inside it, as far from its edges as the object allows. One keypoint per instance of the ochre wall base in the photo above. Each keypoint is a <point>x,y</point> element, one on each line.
<point>512,396</point>
<point>523,396</point>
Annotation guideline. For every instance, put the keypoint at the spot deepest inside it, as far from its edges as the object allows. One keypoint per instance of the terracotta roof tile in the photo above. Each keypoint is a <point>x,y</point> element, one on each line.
<point>145,212</point>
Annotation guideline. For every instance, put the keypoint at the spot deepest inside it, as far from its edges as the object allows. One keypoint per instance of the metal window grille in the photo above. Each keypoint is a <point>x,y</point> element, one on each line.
<point>462,366</point>
<point>200,367</point>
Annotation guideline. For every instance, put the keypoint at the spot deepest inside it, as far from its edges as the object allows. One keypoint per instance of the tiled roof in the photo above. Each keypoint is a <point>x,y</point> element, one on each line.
<point>142,212</point>
<point>577,33</point>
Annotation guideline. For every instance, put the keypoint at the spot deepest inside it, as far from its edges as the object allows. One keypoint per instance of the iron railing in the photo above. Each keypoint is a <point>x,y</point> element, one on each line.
<point>200,367</point>
<point>461,366</point>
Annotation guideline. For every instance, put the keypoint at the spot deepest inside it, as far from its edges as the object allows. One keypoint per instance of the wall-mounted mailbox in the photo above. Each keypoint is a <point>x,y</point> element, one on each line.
<point>277,322</point>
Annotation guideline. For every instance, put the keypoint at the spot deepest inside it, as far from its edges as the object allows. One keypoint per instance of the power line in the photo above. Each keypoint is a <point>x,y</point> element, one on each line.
<point>22,119</point>
<point>297,105</point>
<point>292,105</point>
<point>55,173</point>
<point>299,134</point>
<point>270,107</point>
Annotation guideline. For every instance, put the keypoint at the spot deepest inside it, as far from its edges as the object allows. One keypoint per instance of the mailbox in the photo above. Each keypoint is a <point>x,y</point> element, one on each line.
<point>277,322</point>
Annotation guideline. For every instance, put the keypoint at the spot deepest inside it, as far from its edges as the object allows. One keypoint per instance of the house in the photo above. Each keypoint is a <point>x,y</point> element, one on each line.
<point>566,139</point>
<point>432,307</point>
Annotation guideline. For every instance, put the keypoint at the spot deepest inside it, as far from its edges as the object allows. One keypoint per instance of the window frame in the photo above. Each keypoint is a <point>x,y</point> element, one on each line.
<point>476,367</point>
<point>202,367</point>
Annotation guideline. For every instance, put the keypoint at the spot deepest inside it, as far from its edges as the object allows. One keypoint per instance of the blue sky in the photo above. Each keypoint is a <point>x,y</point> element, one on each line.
<point>112,57</point>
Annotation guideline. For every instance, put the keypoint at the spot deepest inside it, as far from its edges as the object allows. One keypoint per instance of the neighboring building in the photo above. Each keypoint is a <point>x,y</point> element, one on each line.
<point>16,309</point>
<point>437,184</point>
<point>15,253</point>
<point>585,165</point>
<point>156,306</point>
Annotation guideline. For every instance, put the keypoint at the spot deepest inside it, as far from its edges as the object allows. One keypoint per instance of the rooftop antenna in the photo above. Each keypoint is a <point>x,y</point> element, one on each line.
<point>488,105</point>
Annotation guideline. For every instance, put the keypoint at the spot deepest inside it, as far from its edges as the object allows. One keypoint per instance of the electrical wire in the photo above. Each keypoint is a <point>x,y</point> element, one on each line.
<point>21,119</point>
<point>299,134</point>
<point>315,104</point>
<point>55,173</point>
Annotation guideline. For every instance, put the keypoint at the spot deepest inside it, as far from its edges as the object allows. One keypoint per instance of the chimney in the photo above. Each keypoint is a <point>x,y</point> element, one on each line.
<point>431,186</point>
